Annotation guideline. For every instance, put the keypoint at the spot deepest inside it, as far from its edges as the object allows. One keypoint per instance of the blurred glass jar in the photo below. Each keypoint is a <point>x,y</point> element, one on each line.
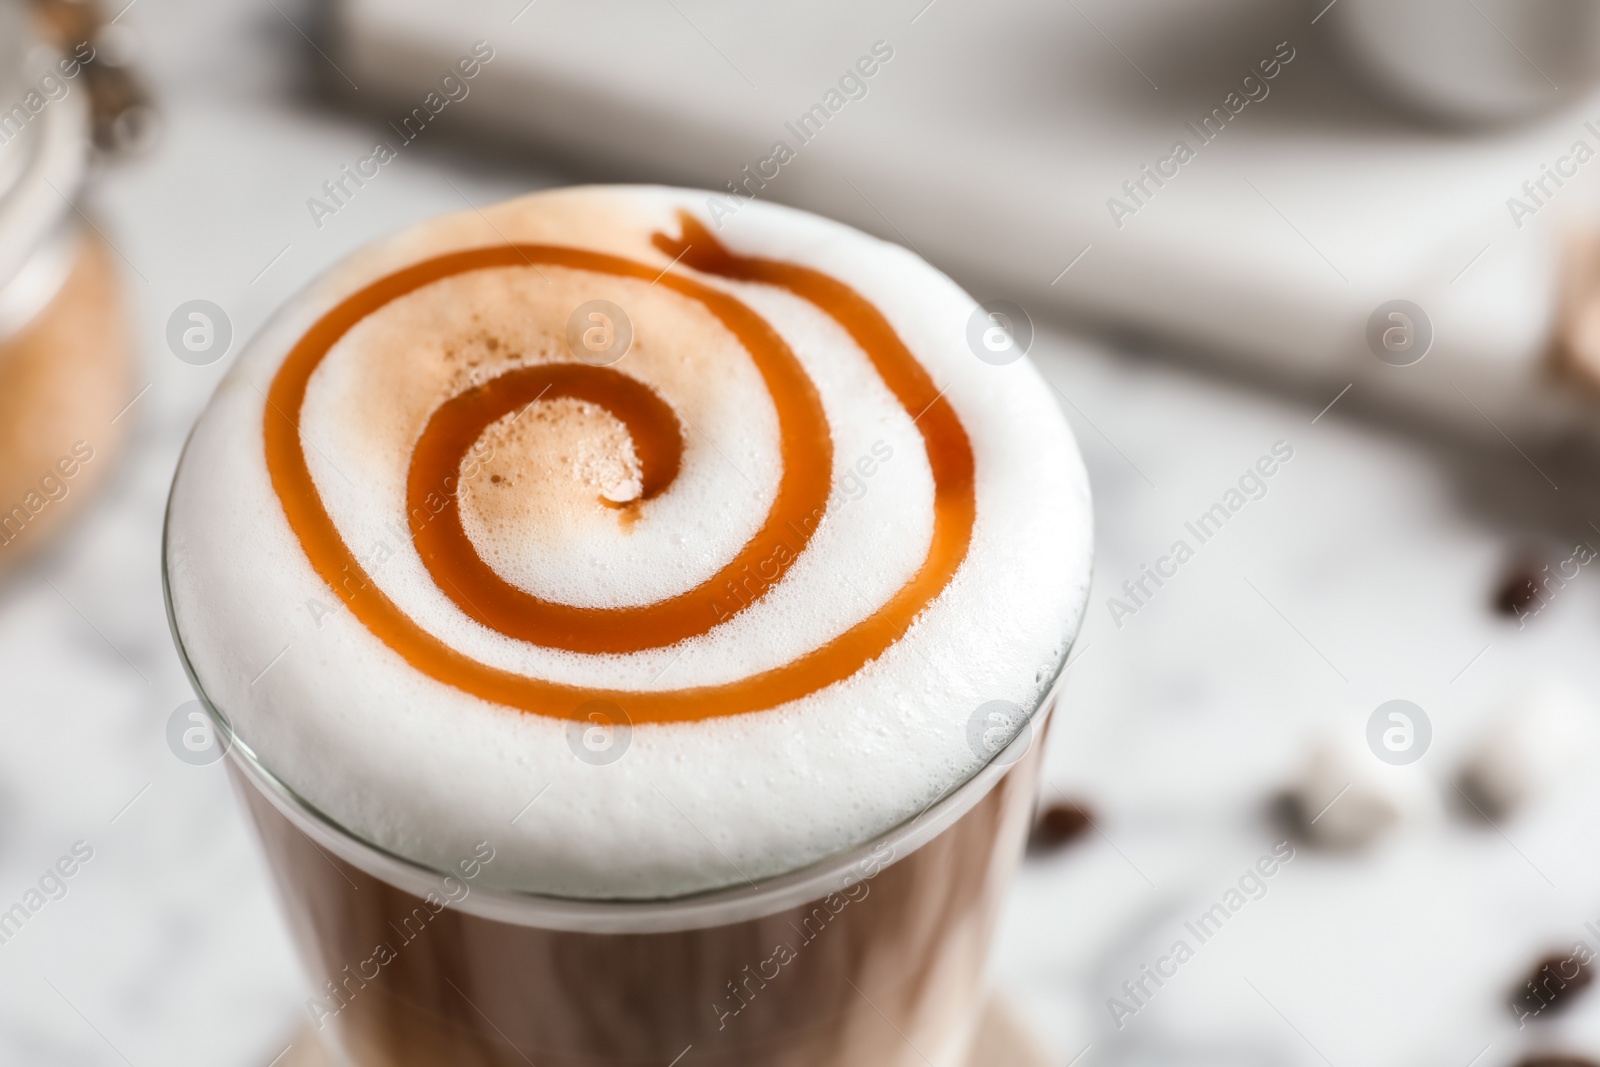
<point>1482,62</point>
<point>65,349</point>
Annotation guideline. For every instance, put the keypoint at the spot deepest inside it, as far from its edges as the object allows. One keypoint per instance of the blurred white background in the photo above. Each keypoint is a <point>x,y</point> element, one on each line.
<point>1366,573</point>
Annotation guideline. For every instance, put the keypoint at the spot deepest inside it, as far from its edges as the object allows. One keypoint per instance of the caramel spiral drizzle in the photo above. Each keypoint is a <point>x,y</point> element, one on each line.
<point>799,505</point>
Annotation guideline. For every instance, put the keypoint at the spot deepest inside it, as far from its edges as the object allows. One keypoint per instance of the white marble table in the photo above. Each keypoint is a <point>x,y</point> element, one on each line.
<point>1363,575</point>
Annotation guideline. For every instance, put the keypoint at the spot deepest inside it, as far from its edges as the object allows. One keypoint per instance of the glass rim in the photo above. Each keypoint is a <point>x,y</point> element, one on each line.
<point>717,906</point>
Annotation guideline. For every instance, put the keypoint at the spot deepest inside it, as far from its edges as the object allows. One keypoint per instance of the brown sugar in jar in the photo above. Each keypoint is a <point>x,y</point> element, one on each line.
<point>64,377</point>
<point>65,350</point>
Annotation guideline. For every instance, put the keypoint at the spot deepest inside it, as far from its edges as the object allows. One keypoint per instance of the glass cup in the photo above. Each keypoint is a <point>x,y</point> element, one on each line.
<point>870,958</point>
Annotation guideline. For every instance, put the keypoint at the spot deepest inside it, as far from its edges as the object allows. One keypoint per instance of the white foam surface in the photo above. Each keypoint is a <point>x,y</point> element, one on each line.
<point>427,770</point>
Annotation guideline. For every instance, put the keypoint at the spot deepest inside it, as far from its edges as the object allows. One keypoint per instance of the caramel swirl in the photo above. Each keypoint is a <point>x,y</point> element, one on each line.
<point>798,506</point>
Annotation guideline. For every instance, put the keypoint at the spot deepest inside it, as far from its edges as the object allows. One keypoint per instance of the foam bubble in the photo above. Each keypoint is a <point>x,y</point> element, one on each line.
<point>426,769</point>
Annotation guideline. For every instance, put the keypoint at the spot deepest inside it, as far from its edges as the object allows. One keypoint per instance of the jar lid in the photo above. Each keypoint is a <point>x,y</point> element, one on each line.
<point>44,138</point>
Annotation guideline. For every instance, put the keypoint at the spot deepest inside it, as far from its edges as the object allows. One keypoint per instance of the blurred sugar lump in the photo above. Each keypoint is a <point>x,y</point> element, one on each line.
<point>1538,741</point>
<point>1344,799</point>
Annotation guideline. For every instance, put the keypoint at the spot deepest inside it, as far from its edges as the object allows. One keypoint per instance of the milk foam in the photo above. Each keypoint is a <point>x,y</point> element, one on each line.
<point>427,770</point>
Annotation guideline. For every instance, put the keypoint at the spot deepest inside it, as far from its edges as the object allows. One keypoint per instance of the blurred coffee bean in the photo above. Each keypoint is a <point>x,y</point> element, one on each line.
<point>1552,987</point>
<point>1518,590</point>
<point>1058,825</point>
<point>1556,1059</point>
